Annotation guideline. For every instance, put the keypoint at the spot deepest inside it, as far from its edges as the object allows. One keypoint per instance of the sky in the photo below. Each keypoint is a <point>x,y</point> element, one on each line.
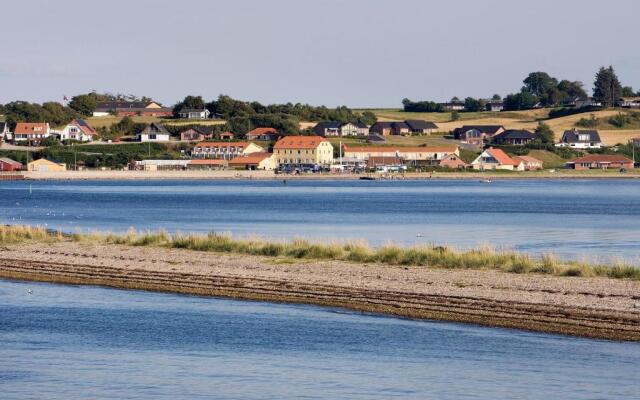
<point>359,53</point>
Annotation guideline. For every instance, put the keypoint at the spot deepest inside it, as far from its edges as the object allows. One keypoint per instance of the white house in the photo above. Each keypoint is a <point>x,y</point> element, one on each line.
<point>31,133</point>
<point>491,159</point>
<point>79,130</point>
<point>191,113</point>
<point>154,133</point>
<point>580,139</point>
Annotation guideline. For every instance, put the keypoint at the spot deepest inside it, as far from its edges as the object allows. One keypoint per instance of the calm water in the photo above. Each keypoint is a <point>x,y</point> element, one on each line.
<point>66,342</point>
<point>581,219</point>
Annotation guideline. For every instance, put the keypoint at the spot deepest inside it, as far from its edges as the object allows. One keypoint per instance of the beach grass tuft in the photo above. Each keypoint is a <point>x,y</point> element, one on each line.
<point>484,257</point>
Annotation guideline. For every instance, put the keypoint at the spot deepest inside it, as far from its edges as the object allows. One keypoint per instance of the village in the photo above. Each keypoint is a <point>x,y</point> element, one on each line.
<point>329,147</point>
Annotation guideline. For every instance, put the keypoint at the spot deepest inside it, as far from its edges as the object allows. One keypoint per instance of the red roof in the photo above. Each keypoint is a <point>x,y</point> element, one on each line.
<point>84,127</point>
<point>253,158</point>
<point>223,144</point>
<point>400,149</point>
<point>31,128</point>
<point>299,142</point>
<point>602,158</point>
<point>501,156</point>
<point>262,131</point>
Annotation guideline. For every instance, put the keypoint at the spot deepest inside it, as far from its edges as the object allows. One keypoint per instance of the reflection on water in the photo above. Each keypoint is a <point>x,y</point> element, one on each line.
<point>580,219</point>
<point>66,342</point>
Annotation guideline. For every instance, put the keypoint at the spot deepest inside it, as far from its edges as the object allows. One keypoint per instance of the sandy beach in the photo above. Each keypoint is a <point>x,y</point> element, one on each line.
<point>589,307</point>
<point>258,175</point>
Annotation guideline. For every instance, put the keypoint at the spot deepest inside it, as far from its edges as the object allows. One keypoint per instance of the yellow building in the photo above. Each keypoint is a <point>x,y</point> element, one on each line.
<point>303,150</point>
<point>44,165</point>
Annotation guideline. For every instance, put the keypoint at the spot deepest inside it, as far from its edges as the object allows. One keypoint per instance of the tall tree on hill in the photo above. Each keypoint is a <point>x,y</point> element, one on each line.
<point>607,87</point>
<point>543,86</point>
<point>570,90</point>
<point>84,104</point>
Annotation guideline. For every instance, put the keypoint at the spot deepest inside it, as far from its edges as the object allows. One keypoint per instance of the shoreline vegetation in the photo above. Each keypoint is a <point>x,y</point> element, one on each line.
<point>432,256</point>
<point>483,286</point>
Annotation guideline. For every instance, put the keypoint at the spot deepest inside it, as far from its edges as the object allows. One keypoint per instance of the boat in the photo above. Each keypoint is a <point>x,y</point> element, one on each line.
<point>367,178</point>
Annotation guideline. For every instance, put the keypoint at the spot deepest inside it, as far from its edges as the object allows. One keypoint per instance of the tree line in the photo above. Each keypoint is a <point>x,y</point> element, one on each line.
<point>540,90</point>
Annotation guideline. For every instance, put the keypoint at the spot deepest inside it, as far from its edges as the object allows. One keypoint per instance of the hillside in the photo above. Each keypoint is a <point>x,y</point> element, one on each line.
<point>519,120</point>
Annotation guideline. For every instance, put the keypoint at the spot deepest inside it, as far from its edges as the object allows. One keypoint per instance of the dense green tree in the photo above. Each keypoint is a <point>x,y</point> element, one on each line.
<point>455,116</point>
<point>545,133</point>
<point>194,102</point>
<point>421,106</point>
<point>571,90</point>
<point>474,105</point>
<point>543,86</point>
<point>496,97</point>
<point>607,87</point>
<point>368,118</point>
<point>520,101</point>
<point>627,91</point>
<point>21,111</point>
<point>84,104</point>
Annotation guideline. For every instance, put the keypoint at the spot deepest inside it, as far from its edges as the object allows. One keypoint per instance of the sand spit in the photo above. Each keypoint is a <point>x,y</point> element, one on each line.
<point>589,307</point>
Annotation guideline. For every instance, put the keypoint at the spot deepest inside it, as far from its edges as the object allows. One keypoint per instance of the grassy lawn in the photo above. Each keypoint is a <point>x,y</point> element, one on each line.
<point>550,160</point>
<point>390,114</point>
<point>98,122</point>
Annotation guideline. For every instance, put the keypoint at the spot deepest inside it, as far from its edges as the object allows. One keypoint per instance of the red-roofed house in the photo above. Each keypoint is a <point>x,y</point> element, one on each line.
<point>527,163</point>
<point>493,159</point>
<point>600,161</point>
<point>227,136</point>
<point>79,130</point>
<point>303,150</point>
<point>34,133</point>
<point>254,161</point>
<point>453,161</point>
<point>263,134</point>
<point>7,164</point>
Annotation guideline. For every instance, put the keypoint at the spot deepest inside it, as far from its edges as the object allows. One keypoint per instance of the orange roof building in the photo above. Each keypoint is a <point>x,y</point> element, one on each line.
<point>303,150</point>
<point>254,161</point>
<point>262,134</point>
<point>601,161</point>
<point>492,159</point>
<point>33,132</point>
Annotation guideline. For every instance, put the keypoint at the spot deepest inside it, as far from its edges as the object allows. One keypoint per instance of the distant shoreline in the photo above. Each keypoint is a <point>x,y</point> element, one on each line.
<point>270,175</point>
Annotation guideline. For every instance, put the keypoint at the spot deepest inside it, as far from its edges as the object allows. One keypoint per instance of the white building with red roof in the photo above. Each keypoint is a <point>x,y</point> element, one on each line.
<point>492,159</point>
<point>79,130</point>
<point>31,132</point>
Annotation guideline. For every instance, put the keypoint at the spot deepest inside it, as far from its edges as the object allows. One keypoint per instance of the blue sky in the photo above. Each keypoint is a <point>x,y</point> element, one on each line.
<point>353,52</point>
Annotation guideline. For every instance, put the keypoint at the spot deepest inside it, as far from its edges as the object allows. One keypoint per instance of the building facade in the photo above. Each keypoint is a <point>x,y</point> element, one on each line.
<point>297,151</point>
<point>224,150</point>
